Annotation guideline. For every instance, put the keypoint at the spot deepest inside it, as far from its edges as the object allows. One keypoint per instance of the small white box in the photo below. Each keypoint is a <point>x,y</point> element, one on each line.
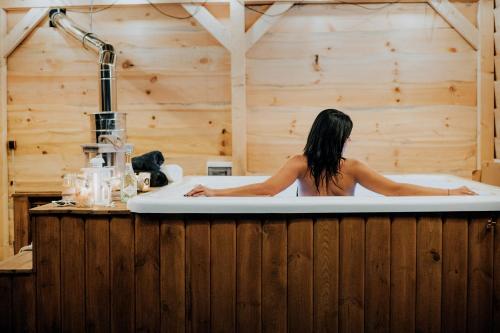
<point>219,168</point>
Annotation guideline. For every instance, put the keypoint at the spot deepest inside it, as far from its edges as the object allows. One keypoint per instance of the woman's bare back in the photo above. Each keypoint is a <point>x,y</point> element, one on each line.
<point>344,183</point>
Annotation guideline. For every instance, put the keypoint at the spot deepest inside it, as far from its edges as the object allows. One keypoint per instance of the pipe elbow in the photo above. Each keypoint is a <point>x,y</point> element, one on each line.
<point>107,54</point>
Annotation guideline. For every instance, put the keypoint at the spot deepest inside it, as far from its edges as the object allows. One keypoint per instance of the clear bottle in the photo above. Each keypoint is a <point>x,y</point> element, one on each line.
<point>128,187</point>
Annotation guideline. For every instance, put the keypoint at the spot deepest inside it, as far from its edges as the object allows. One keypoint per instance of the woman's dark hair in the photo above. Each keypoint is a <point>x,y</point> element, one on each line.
<point>325,143</point>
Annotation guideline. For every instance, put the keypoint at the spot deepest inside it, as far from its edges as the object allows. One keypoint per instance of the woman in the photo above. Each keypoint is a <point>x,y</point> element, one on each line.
<point>322,170</point>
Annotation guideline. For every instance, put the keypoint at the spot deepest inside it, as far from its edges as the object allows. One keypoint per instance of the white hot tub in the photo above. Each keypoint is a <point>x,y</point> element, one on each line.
<point>170,199</point>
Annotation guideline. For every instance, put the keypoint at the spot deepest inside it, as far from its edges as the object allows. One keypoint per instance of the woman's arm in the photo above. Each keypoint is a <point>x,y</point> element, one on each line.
<point>285,177</point>
<point>375,182</point>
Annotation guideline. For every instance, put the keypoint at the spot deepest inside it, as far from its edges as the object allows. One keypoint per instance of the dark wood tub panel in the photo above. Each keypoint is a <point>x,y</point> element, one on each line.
<point>399,273</point>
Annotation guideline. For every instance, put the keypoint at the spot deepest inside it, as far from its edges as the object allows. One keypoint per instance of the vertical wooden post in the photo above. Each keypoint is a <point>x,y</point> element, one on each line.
<point>4,187</point>
<point>238,88</point>
<point>485,83</point>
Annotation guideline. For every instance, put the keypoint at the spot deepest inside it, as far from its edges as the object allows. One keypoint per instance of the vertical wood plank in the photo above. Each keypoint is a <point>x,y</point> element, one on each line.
<point>97,282</point>
<point>73,274</point>
<point>21,222</point>
<point>429,272</point>
<point>248,272</point>
<point>48,273</point>
<point>352,274</point>
<point>480,292</point>
<point>147,273</point>
<point>454,300</point>
<point>403,273</point>
<point>238,87</point>
<point>378,274</point>
<point>5,303</point>
<point>274,272</point>
<point>496,276</point>
<point>485,83</point>
<point>23,303</point>
<point>300,275</point>
<point>4,174</point>
<point>173,275</point>
<point>223,275</point>
<point>122,274</point>
<point>198,276</point>
<point>326,275</point>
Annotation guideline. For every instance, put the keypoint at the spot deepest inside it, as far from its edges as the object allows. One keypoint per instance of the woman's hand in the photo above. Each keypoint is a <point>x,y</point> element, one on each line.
<point>200,191</point>
<point>464,190</point>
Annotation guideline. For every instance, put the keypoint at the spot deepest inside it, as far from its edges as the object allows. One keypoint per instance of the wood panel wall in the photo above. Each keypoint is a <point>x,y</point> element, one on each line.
<point>404,75</point>
<point>406,78</point>
<point>398,273</point>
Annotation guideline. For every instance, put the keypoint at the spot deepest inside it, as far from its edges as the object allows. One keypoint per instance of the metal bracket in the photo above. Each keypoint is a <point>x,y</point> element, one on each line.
<point>491,223</point>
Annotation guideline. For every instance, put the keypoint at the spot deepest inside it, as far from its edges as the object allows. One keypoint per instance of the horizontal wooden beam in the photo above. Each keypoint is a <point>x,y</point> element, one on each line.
<point>457,20</point>
<point>210,23</point>
<point>19,4</point>
<point>266,21</point>
<point>23,29</point>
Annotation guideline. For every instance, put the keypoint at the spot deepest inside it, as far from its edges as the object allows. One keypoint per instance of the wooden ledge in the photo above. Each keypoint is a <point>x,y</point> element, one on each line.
<point>119,209</point>
<point>20,263</point>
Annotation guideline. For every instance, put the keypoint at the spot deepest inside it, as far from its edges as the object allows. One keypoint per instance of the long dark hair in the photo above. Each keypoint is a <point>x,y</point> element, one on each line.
<point>325,144</point>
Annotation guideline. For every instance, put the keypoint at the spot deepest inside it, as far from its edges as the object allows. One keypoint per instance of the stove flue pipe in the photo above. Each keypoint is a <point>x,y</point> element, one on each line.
<point>107,57</point>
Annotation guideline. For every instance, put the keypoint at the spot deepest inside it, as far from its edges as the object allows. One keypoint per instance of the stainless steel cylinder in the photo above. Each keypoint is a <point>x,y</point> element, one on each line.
<point>110,124</point>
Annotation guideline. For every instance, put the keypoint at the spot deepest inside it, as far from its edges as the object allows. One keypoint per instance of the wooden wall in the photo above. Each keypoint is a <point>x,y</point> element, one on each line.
<point>404,75</point>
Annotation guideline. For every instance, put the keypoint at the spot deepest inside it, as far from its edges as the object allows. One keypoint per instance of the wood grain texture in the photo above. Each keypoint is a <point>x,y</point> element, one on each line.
<point>97,281</point>
<point>176,83</point>
<point>122,274</point>
<point>147,273</point>
<point>429,274</point>
<point>248,276</point>
<point>73,273</point>
<point>352,274</point>
<point>48,273</point>
<point>300,275</point>
<point>274,276</point>
<point>21,222</point>
<point>326,275</point>
<point>6,303</point>
<point>454,292</point>
<point>173,275</point>
<point>496,276</point>
<point>223,275</point>
<point>403,274</point>
<point>23,303</point>
<point>378,274</point>
<point>480,276</point>
<point>198,276</point>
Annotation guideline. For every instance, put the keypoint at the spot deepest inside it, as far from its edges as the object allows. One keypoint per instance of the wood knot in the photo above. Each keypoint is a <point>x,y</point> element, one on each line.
<point>435,255</point>
<point>127,64</point>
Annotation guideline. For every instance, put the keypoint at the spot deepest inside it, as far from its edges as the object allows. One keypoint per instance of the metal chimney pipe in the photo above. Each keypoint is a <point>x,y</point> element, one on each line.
<point>107,57</point>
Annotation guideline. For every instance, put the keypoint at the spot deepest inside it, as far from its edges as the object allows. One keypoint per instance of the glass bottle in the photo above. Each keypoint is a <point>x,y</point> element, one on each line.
<point>128,187</point>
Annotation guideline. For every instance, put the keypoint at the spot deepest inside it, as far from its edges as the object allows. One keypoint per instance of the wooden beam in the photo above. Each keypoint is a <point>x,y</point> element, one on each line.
<point>457,20</point>
<point>238,87</point>
<point>210,23</point>
<point>23,29</point>
<point>19,4</point>
<point>272,15</point>
<point>485,84</point>
<point>4,175</point>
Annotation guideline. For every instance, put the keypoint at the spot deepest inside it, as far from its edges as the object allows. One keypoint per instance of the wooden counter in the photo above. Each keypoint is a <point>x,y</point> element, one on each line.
<point>113,270</point>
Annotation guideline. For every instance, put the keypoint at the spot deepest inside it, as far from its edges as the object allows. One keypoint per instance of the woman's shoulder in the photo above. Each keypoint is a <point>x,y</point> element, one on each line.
<point>298,161</point>
<point>352,166</point>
